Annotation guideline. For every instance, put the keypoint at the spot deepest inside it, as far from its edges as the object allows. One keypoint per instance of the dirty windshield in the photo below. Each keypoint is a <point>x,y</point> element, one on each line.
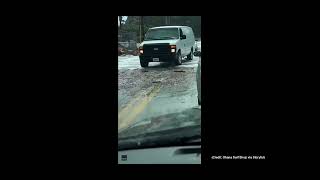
<point>158,90</point>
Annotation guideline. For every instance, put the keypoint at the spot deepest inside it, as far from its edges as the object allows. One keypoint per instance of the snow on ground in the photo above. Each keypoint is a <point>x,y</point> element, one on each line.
<point>133,62</point>
<point>128,62</point>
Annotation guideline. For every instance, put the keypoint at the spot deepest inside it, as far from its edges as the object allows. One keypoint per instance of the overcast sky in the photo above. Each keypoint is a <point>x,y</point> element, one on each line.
<point>123,17</point>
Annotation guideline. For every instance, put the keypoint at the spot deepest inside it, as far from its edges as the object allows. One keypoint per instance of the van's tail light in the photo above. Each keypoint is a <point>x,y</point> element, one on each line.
<point>173,48</point>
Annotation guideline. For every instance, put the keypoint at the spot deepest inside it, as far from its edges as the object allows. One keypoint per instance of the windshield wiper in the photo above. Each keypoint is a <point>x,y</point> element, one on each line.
<point>190,135</point>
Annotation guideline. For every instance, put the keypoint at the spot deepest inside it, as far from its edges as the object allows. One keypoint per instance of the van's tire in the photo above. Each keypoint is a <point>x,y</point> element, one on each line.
<point>144,63</point>
<point>190,56</point>
<point>178,59</point>
<point>199,101</point>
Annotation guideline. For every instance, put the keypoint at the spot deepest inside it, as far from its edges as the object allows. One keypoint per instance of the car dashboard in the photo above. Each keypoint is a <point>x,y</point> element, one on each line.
<point>161,155</point>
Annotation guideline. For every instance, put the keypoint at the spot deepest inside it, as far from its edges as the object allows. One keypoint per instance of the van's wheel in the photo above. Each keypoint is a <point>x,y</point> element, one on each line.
<point>178,59</point>
<point>144,63</point>
<point>190,56</point>
<point>199,102</point>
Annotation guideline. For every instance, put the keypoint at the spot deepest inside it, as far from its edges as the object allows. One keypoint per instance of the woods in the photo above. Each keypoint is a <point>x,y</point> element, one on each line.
<point>133,24</point>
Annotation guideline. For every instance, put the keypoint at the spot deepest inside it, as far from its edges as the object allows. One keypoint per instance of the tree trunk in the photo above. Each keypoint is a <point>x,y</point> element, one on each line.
<point>167,20</point>
<point>141,29</point>
<point>120,20</point>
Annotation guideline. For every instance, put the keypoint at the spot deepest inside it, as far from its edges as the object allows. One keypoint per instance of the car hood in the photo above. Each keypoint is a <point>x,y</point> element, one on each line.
<point>170,41</point>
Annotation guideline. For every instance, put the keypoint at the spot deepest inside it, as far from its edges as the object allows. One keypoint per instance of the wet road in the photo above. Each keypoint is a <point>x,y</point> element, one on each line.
<point>156,91</point>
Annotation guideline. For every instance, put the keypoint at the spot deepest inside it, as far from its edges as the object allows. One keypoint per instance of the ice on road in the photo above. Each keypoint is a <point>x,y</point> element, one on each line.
<point>175,87</point>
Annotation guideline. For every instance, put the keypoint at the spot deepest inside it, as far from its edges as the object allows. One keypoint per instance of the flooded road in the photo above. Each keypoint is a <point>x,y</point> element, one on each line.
<point>146,94</point>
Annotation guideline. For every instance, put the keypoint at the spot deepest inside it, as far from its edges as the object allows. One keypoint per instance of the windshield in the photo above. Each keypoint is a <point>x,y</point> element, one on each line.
<point>162,34</point>
<point>158,93</point>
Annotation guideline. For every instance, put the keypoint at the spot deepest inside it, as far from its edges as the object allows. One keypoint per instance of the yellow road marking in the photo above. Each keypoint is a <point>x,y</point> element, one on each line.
<point>136,106</point>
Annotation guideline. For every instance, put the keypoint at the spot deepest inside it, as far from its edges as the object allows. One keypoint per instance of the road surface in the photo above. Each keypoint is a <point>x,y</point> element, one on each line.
<point>160,89</point>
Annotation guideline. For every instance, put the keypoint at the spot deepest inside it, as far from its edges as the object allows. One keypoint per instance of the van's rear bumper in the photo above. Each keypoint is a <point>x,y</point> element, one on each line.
<point>162,57</point>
